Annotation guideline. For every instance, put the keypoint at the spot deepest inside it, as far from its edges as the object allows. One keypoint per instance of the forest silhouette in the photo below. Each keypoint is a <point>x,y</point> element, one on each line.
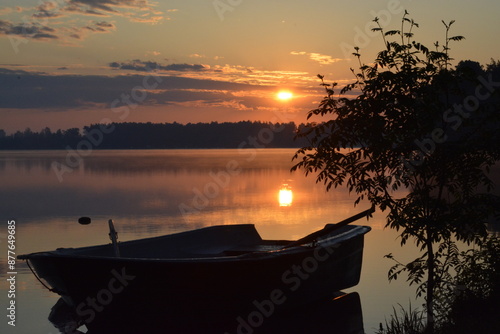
<point>245,134</point>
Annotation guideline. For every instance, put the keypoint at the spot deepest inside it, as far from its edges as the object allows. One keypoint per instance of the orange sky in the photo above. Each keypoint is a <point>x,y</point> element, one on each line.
<point>69,63</point>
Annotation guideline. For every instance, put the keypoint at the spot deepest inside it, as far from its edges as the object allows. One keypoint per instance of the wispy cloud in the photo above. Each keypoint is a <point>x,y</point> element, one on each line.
<point>47,10</point>
<point>200,56</point>
<point>317,57</point>
<point>111,5</point>
<point>146,66</point>
<point>101,26</point>
<point>152,53</point>
<point>227,73</point>
<point>32,30</point>
<point>81,33</point>
<point>7,10</point>
<point>62,20</point>
<point>148,18</point>
<point>135,10</point>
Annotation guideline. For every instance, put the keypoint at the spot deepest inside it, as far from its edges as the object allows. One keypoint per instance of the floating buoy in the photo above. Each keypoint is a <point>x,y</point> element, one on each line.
<point>84,220</point>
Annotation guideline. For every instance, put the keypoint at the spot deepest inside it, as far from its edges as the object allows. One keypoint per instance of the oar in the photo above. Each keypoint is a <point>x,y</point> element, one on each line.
<point>329,228</point>
<point>113,235</point>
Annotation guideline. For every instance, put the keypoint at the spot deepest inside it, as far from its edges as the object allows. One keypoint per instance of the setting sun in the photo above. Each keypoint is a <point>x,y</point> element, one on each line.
<point>284,95</point>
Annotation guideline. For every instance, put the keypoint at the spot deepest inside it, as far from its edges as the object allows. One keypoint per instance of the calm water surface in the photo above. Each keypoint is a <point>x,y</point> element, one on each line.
<point>150,193</point>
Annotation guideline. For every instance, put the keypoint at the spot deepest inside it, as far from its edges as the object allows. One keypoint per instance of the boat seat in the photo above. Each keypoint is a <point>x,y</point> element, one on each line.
<point>263,246</point>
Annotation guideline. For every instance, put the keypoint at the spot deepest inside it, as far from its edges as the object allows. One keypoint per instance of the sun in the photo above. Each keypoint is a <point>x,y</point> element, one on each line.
<point>284,95</point>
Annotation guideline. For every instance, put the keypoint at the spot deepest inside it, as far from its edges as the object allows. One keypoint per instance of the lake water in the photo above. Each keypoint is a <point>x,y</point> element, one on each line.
<point>151,193</point>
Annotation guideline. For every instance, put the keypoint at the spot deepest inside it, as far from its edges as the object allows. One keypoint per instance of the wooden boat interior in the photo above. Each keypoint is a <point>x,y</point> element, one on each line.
<point>214,241</point>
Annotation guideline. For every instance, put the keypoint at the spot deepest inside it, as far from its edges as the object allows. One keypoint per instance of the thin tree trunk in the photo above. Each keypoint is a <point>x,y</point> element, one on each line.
<point>430,283</point>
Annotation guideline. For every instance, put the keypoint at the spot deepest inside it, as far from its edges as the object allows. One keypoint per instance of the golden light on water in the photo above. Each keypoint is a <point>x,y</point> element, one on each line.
<point>285,196</point>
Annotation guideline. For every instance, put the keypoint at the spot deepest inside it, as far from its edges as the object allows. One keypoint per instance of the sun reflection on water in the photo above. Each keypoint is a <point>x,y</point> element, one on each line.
<point>285,195</point>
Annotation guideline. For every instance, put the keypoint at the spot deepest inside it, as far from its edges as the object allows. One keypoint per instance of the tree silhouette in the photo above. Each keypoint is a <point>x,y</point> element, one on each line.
<point>417,127</point>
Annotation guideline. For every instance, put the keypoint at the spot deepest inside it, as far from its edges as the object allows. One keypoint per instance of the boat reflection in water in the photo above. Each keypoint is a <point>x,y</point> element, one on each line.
<point>285,195</point>
<point>340,315</point>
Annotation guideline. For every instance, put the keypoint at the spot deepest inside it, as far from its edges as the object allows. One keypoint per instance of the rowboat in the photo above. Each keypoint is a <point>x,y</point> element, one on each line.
<point>218,270</point>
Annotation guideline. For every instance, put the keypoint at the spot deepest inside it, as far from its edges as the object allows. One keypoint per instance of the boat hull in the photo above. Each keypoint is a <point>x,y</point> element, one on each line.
<point>138,289</point>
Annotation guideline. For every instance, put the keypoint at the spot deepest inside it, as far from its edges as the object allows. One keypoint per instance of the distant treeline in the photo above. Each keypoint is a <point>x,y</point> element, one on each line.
<point>244,134</point>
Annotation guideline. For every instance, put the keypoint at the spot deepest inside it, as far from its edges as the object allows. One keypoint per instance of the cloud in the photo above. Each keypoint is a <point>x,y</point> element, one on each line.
<point>79,10</point>
<point>61,92</point>
<point>33,30</point>
<point>40,22</point>
<point>103,24</point>
<point>108,4</point>
<point>102,27</point>
<point>226,73</point>
<point>125,8</point>
<point>46,15</point>
<point>7,10</point>
<point>156,95</point>
<point>95,5</point>
<point>37,31</point>
<point>24,90</point>
<point>47,10</point>
<point>147,66</point>
<point>197,55</point>
<point>5,72</point>
<point>317,57</point>
<point>230,73</point>
<point>184,67</point>
<point>153,53</point>
<point>148,19</point>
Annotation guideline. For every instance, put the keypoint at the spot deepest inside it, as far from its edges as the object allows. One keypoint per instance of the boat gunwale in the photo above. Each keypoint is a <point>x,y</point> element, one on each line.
<point>329,240</point>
